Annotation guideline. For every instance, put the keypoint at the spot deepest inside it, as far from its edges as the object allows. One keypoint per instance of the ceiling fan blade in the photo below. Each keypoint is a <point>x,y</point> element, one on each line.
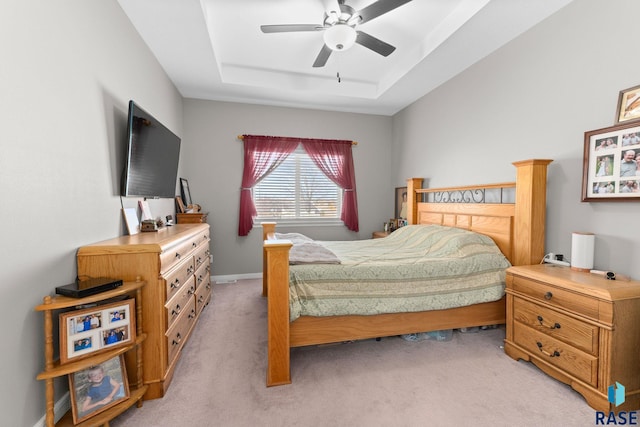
<point>379,8</point>
<point>376,45</point>
<point>288,28</point>
<point>322,57</point>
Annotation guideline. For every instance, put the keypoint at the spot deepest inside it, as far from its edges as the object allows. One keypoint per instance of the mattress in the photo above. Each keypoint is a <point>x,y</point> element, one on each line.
<point>415,268</point>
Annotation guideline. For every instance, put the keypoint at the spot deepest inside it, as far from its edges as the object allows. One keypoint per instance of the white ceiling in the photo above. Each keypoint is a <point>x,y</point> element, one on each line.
<point>215,50</point>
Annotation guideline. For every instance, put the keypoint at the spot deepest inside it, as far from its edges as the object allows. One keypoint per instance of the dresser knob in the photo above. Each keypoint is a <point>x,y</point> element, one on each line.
<point>177,340</point>
<point>548,295</point>
<point>555,325</point>
<point>555,353</point>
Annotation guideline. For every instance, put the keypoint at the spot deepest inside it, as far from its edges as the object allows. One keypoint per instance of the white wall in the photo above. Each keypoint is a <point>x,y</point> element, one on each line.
<point>213,162</point>
<point>68,69</point>
<point>535,98</point>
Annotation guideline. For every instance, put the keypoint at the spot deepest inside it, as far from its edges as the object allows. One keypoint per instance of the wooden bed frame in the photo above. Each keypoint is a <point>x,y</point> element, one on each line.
<point>517,228</point>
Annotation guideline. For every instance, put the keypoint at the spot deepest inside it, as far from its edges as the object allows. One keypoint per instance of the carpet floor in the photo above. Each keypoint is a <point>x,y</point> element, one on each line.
<point>467,381</point>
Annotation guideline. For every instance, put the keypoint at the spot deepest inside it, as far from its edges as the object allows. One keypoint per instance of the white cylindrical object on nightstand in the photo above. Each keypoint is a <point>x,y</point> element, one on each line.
<point>582,251</point>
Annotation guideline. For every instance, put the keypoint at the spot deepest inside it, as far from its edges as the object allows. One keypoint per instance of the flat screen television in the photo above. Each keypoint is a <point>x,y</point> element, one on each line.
<point>153,151</point>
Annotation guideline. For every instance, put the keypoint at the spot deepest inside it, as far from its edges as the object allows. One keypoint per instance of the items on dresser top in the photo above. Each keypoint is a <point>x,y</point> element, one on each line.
<point>579,328</point>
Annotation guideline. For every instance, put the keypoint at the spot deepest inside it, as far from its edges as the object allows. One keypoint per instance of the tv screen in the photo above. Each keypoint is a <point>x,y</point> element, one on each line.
<point>153,151</point>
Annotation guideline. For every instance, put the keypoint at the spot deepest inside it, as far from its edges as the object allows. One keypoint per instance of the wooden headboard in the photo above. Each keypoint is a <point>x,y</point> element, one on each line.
<point>517,227</point>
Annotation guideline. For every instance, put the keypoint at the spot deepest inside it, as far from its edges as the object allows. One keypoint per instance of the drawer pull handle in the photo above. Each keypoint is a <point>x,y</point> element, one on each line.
<point>176,310</point>
<point>548,296</point>
<point>178,255</point>
<point>191,291</point>
<point>190,270</point>
<point>194,244</point>
<point>555,353</point>
<point>555,325</point>
<point>192,314</point>
<point>178,338</point>
<point>175,284</point>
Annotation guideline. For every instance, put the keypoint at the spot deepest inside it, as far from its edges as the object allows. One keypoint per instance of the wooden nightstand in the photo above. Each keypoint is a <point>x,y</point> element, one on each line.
<point>379,234</point>
<point>579,328</point>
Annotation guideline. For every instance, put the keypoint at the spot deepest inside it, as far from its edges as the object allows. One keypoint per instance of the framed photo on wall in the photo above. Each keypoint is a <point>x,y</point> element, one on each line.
<point>87,331</point>
<point>97,388</point>
<point>628,105</point>
<point>611,165</point>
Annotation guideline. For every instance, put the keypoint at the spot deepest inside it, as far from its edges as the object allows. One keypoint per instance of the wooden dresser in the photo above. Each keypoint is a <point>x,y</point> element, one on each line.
<point>175,264</point>
<point>579,328</point>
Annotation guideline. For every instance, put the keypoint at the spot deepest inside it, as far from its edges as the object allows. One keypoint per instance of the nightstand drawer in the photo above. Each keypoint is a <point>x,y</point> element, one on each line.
<point>565,328</point>
<point>570,359</point>
<point>555,296</point>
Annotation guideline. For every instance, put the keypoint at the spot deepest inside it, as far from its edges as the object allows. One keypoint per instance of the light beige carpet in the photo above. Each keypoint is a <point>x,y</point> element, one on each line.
<point>468,381</point>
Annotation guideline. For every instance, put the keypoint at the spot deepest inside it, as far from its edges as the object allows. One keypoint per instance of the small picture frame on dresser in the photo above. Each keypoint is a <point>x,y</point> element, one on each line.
<point>185,192</point>
<point>180,205</point>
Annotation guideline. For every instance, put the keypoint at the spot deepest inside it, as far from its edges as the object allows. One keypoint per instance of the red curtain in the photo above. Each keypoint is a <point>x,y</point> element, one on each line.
<point>262,154</point>
<point>335,159</point>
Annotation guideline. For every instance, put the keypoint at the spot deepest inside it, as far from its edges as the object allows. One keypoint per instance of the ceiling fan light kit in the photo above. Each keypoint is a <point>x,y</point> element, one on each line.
<point>340,37</point>
<point>340,29</point>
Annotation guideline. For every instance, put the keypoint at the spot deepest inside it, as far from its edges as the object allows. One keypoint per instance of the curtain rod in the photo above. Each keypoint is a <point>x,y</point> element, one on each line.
<point>241,137</point>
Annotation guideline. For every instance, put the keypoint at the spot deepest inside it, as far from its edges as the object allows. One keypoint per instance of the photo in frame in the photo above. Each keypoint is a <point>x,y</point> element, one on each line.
<point>97,388</point>
<point>185,192</point>
<point>87,331</point>
<point>611,165</point>
<point>628,105</point>
<point>401,203</point>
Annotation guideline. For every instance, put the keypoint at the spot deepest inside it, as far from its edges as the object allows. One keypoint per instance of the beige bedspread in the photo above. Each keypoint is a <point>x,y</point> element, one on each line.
<point>416,268</point>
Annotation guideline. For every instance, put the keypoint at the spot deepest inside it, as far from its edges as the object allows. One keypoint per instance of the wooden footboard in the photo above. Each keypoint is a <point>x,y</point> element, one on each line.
<point>518,230</point>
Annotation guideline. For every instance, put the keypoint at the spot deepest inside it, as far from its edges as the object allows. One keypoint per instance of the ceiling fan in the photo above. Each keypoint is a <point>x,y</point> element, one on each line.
<point>340,31</point>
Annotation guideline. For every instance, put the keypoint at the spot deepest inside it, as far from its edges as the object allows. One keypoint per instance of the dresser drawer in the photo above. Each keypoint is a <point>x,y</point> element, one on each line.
<point>174,254</point>
<point>177,277</point>
<point>560,354</point>
<point>565,328</point>
<point>555,296</point>
<point>203,274</point>
<point>201,255</point>
<point>177,334</point>
<point>203,295</point>
<point>181,301</point>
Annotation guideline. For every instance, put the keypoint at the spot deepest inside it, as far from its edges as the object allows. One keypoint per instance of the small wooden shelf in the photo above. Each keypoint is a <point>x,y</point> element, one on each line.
<point>53,368</point>
<point>192,218</point>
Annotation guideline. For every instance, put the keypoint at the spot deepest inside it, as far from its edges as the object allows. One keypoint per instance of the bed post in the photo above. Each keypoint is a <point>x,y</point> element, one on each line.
<point>531,197</point>
<point>413,184</point>
<point>276,254</point>
<point>268,228</point>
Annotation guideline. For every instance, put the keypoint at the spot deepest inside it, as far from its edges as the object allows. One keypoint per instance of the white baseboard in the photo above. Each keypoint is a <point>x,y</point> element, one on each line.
<point>59,409</point>
<point>232,278</point>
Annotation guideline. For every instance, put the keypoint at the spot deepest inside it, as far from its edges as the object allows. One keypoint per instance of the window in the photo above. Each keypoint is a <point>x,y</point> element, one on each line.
<point>297,190</point>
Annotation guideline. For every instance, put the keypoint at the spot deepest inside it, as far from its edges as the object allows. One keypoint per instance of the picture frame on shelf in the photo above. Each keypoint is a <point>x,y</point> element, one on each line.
<point>628,108</point>
<point>401,203</point>
<point>611,164</point>
<point>87,331</point>
<point>98,388</point>
<point>185,192</point>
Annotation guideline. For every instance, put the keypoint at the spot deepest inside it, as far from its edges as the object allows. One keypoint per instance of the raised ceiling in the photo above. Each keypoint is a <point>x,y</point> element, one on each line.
<point>215,50</point>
